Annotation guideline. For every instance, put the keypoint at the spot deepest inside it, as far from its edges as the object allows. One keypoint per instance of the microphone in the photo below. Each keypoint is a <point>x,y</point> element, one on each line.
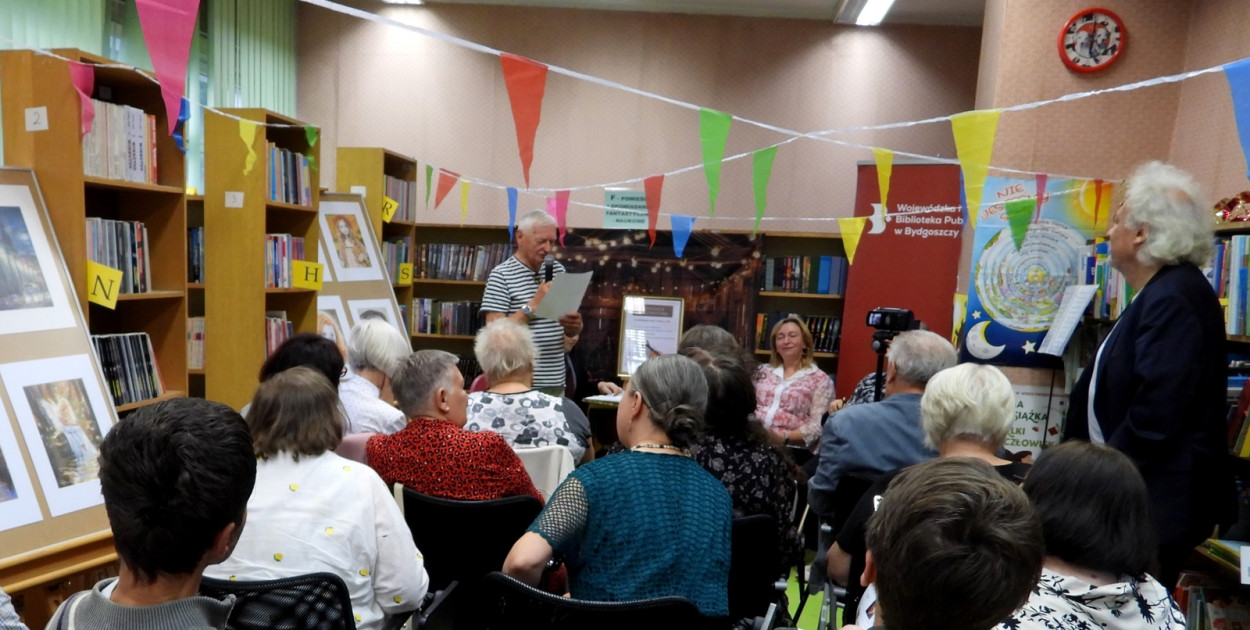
<point>549,265</point>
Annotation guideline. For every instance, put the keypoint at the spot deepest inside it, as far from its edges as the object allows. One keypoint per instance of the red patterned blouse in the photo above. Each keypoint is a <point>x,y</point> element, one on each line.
<point>795,403</point>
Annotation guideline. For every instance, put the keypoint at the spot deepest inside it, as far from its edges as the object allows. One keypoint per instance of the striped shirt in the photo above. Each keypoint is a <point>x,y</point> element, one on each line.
<point>510,286</point>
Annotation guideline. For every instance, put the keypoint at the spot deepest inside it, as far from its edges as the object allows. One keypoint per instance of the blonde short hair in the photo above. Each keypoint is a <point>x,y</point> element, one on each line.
<point>967,401</point>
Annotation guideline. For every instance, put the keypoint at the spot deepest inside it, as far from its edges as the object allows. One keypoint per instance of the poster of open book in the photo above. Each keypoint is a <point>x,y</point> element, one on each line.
<point>650,326</point>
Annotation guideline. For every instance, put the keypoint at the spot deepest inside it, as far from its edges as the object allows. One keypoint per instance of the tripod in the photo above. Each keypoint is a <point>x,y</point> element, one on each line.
<point>880,343</point>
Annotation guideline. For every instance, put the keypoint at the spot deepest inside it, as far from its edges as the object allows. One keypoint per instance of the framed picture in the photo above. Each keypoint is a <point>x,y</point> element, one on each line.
<point>375,309</point>
<point>61,409</point>
<point>18,505</point>
<point>33,292</point>
<point>650,326</point>
<point>332,321</point>
<point>348,237</point>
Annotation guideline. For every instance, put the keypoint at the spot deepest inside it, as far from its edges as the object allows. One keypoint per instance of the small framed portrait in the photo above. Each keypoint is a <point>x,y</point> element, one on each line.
<point>650,326</point>
<point>18,504</point>
<point>32,287</point>
<point>349,239</point>
<point>375,309</point>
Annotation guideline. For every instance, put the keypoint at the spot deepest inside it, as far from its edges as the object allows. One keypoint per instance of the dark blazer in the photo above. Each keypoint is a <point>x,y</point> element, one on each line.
<point>1160,400</point>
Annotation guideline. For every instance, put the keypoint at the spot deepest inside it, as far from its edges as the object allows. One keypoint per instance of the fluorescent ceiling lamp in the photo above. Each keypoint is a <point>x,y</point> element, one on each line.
<point>873,12</point>
<point>403,2</point>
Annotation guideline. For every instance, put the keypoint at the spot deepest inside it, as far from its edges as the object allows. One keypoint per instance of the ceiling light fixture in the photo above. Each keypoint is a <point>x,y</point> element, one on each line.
<point>863,12</point>
<point>403,2</point>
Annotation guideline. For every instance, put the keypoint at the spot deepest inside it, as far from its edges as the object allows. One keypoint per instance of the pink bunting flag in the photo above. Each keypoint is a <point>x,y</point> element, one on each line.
<point>82,75</point>
<point>562,213</point>
<point>526,80</point>
<point>653,186</point>
<point>167,29</point>
<point>446,180</point>
<point>1040,178</point>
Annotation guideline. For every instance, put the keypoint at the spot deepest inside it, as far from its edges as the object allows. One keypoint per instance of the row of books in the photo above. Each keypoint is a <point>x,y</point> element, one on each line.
<point>290,179</point>
<point>195,343</point>
<point>826,330</point>
<point>1114,293</point>
<point>1228,275</point>
<point>195,255</point>
<point>469,369</point>
<point>129,366</point>
<point>436,317</point>
<point>450,261</point>
<point>277,330</point>
<point>394,252</point>
<point>1210,602</point>
<point>121,144</point>
<point>280,250</point>
<point>405,194</point>
<point>121,245</point>
<point>823,275</point>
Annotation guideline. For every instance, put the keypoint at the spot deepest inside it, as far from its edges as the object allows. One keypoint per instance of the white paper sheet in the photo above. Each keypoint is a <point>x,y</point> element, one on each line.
<point>614,399</point>
<point>564,296</point>
<point>1071,309</point>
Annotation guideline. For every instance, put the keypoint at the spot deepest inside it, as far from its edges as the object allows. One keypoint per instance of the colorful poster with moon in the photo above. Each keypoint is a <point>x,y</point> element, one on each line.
<point>1027,249</point>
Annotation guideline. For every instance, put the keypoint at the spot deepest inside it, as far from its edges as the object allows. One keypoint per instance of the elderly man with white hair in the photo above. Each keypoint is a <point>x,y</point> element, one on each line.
<point>1155,389</point>
<point>375,349</point>
<point>516,287</point>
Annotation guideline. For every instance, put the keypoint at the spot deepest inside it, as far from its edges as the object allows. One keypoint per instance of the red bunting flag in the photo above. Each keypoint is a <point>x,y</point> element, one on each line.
<point>652,185</point>
<point>167,29</point>
<point>82,75</point>
<point>526,80</point>
<point>446,180</point>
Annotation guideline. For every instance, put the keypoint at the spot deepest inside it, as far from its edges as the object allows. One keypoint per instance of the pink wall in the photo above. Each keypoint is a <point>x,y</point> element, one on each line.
<point>373,85</point>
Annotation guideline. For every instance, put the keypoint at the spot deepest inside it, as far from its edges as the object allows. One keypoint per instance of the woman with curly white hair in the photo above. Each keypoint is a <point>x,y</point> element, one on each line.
<point>1155,389</point>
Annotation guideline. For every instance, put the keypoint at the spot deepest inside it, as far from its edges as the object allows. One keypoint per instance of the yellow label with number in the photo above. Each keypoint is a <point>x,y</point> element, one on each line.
<point>103,284</point>
<point>389,206</point>
<point>306,275</point>
<point>405,273</point>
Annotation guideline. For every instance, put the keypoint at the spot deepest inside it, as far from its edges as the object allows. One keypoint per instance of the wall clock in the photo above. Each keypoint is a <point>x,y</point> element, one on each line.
<point>1091,40</point>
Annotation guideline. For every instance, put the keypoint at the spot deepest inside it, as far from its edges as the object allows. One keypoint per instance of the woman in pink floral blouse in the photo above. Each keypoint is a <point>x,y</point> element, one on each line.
<point>791,392</point>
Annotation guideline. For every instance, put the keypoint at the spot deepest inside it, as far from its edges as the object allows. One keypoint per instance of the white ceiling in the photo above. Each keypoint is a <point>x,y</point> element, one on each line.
<point>949,12</point>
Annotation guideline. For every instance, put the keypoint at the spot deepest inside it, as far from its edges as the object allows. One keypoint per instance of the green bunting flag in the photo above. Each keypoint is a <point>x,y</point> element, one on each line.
<point>429,177</point>
<point>1019,214</point>
<point>761,171</point>
<point>713,131</point>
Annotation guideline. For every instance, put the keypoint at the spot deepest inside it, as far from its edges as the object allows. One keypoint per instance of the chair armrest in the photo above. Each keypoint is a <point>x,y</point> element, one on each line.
<point>439,606</point>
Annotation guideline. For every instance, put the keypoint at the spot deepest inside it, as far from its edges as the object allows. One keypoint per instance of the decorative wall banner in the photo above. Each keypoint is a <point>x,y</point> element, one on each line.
<point>713,133</point>
<point>167,29</point>
<point>184,114</point>
<point>562,213</point>
<point>761,172</point>
<point>653,186</point>
<point>525,80</point>
<point>1238,76</point>
<point>82,75</point>
<point>885,164</point>
<point>464,201</point>
<point>446,179</point>
<point>852,229</point>
<point>682,227</point>
<point>974,143</point>
<point>247,131</point>
<point>1019,213</point>
<point>511,213</point>
<point>429,177</point>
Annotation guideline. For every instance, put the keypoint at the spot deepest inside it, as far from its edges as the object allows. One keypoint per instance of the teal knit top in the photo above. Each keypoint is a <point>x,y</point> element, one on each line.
<point>636,525</point>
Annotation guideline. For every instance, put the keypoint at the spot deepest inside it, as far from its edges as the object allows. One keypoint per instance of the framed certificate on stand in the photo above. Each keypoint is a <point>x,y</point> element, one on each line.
<point>650,326</point>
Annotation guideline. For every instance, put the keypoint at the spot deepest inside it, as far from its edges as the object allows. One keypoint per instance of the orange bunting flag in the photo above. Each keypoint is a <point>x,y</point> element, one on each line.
<point>885,166</point>
<point>974,143</point>
<point>852,228</point>
<point>446,179</point>
<point>653,186</point>
<point>526,80</point>
<point>464,201</point>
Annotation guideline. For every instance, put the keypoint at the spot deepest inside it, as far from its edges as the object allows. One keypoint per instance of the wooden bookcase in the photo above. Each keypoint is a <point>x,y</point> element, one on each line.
<point>235,298</point>
<point>461,345</point>
<point>195,293</point>
<point>56,155</point>
<point>803,304</point>
<point>369,167</point>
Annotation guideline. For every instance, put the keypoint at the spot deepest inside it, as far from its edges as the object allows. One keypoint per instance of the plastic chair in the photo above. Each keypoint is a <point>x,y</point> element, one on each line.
<point>316,601</point>
<point>753,566</point>
<point>462,541</point>
<point>505,603</point>
<point>479,384</point>
<point>547,466</point>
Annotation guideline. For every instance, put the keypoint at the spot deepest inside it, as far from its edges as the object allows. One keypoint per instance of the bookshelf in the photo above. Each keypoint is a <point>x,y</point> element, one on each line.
<point>195,297</point>
<point>802,297</point>
<point>369,168</point>
<point>235,298</point>
<point>56,155</point>
<point>450,290</point>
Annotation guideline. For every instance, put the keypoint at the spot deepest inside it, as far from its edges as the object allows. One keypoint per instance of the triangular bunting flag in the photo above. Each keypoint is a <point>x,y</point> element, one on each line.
<point>167,29</point>
<point>1019,213</point>
<point>247,131</point>
<point>1040,184</point>
<point>464,201</point>
<point>713,132</point>
<point>653,186</point>
<point>446,179</point>
<point>963,199</point>
<point>429,178</point>
<point>184,114</point>
<point>761,171</point>
<point>852,228</point>
<point>682,226</point>
<point>1097,202</point>
<point>82,75</point>
<point>1238,76</point>
<point>974,143</point>
<point>525,80</point>
<point>562,213</point>
<point>885,166</point>
<point>511,213</point>
<point>310,134</point>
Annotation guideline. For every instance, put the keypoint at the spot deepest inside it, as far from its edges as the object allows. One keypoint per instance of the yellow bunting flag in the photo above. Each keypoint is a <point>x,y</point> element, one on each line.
<point>464,201</point>
<point>852,228</point>
<point>885,165</point>
<point>405,274</point>
<point>389,206</point>
<point>974,143</point>
<point>103,284</point>
<point>305,274</point>
<point>957,317</point>
<point>247,131</point>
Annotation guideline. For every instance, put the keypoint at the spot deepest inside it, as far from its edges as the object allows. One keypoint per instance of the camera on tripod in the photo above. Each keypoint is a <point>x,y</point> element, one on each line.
<point>891,319</point>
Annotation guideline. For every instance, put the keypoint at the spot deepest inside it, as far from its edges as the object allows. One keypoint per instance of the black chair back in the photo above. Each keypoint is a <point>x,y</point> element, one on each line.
<point>462,541</point>
<point>753,566</point>
<point>317,601</point>
<point>506,604</point>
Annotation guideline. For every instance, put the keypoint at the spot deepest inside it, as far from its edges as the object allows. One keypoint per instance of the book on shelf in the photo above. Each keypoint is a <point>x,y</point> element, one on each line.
<point>405,194</point>
<point>277,330</point>
<point>817,275</point>
<point>1113,293</point>
<point>394,252</point>
<point>826,330</point>
<point>403,317</point>
<point>121,144</point>
<point>280,250</point>
<point>438,317</point>
<point>129,366</point>
<point>122,245</point>
<point>469,369</point>
<point>289,176</point>
<point>195,343</point>
<point>452,261</point>
<point>195,255</point>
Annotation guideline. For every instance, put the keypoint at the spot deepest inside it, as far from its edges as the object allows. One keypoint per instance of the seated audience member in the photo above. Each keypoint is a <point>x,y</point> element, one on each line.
<point>1095,513</point>
<point>510,406</point>
<point>791,392</point>
<point>374,349</point>
<point>966,411</point>
<point>313,511</point>
<point>647,522</point>
<point>868,440</point>
<point>717,341</point>
<point>9,620</point>
<point>434,454</point>
<point>304,349</point>
<point>175,477</point>
<point>864,392</point>
<point>954,546</point>
<point>735,449</point>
